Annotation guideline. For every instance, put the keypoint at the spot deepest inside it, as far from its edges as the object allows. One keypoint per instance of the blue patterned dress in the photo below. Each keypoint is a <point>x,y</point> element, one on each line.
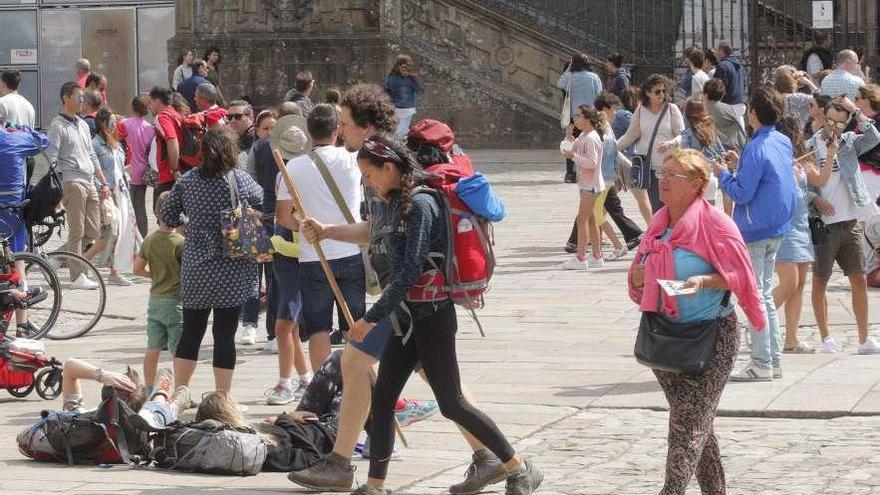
<point>207,278</point>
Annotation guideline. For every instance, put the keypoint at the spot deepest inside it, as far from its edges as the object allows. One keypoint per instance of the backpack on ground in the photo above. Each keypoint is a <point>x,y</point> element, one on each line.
<point>463,271</point>
<point>192,130</point>
<point>208,447</point>
<point>103,436</point>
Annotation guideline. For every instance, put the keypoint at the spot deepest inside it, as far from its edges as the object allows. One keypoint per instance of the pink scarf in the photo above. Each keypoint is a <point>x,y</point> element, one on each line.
<point>709,234</point>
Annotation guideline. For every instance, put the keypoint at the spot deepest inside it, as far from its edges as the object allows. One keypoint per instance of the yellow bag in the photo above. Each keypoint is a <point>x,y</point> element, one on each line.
<point>284,247</point>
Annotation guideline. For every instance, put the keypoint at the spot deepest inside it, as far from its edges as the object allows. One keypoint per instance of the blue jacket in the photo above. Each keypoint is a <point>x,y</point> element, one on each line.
<point>188,90</point>
<point>15,146</point>
<point>403,90</point>
<point>585,87</point>
<point>733,73</point>
<point>619,82</point>
<point>764,186</point>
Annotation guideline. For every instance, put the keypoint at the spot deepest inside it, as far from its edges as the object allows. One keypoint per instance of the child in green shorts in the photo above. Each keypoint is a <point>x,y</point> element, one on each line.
<point>159,260</point>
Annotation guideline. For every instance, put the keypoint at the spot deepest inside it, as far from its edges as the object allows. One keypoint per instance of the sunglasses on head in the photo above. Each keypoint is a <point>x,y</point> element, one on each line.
<point>381,151</point>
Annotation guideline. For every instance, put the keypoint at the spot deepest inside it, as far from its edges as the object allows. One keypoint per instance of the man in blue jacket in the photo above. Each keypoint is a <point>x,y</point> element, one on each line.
<point>732,71</point>
<point>764,192</point>
<point>188,88</point>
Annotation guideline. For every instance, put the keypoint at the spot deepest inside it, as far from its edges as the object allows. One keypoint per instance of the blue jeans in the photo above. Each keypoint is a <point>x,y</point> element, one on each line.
<point>250,310</point>
<point>766,351</point>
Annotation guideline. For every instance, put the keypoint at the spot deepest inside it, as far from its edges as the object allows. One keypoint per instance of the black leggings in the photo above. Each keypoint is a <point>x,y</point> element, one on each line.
<point>433,345</point>
<point>195,323</point>
<point>139,200</point>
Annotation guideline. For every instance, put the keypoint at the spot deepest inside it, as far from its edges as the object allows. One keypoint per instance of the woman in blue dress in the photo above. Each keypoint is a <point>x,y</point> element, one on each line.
<point>796,251</point>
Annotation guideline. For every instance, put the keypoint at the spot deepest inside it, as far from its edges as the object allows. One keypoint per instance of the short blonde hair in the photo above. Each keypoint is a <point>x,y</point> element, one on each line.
<point>694,164</point>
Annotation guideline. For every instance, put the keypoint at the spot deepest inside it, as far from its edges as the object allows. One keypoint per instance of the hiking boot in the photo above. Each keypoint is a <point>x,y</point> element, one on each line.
<point>485,470</point>
<point>333,474</point>
<point>369,490</point>
<point>164,383</point>
<point>525,480</point>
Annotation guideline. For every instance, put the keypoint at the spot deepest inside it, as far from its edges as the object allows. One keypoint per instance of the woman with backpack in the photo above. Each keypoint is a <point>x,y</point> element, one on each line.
<point>411,227</point>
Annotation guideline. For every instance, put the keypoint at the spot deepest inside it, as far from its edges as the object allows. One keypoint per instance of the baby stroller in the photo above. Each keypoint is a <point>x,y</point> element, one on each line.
<point>23,362</point>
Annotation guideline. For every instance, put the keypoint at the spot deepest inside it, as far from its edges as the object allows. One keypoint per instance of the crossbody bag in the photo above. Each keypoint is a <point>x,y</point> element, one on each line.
<point>637,173</point>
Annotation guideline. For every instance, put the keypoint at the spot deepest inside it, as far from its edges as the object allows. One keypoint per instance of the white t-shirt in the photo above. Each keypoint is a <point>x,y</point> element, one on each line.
<point>697,81</point>
<point>836,193</point>
<point>318,200</point>
<point>16,111</point>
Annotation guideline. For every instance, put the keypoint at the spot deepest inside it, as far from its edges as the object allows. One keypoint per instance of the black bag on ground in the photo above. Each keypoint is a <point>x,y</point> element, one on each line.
<point>208,447</point>
<point>677,347</point>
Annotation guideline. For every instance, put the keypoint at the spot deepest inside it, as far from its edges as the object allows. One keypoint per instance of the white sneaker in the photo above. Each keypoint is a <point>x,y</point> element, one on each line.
<point>249,335</point>
<point>594,262</point>
<point>280,395</point>
<point>84,283</point>
<point>618,253</point>
<point>118,280</point>
<point>272,346</point>
<point>828,346</point>
<point>752,373</point>
<point>870,346</point>
<point>575,264</point>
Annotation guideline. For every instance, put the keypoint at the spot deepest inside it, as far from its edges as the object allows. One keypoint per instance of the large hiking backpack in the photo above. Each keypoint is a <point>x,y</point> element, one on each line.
<point>208,447</point>
<point>103,436</point>
<point>463,271</point>
<point>192,130</point>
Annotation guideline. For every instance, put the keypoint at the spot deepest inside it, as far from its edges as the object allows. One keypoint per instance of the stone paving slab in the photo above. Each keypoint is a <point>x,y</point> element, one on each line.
<point>555,371</point>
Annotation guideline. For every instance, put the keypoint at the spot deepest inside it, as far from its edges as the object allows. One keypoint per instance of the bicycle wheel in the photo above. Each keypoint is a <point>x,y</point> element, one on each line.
<point>82,308</point>
<point>39,273</point>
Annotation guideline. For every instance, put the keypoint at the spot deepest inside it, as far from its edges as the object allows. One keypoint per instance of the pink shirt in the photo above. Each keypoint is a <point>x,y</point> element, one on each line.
<point>139,135</point>
<point>588,158</point>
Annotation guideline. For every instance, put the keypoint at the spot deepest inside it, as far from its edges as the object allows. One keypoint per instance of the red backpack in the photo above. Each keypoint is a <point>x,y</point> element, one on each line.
<point>465,268</point>
<point>192,130</point>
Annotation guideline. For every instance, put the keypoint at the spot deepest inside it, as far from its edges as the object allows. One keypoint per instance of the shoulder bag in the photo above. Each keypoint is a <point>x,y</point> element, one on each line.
<point>243,231</point>
<point>372,279</point>
<point>638,173</point>
<point>677,347</point>
<point>565,115</point>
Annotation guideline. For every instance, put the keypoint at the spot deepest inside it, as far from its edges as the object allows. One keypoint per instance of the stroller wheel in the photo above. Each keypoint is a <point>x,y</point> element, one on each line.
<point>48,383</point>
<point>21,392</point>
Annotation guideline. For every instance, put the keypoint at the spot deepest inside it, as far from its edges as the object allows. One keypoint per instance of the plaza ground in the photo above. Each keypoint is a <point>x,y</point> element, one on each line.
<point>555,371</point>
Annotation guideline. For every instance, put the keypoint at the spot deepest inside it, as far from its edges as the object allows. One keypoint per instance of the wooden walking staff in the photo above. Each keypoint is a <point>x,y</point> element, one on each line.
<point>337,293</point>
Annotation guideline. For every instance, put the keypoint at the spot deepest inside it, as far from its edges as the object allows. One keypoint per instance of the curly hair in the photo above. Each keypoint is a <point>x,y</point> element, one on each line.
<point>411,172</point>
<point>370,105</point>
<point>219,152</point>
<point>650,83</point>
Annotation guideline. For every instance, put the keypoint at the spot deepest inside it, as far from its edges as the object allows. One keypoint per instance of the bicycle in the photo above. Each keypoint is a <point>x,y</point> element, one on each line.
<point>79,312</point>
<point>28,290</point>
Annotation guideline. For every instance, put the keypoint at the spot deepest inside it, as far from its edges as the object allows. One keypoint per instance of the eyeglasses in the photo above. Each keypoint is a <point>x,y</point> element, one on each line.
<point>235,116</point>
<point>659,92</point>
<point>836,124</point>
<point>672,175</point>
<point>79,98</point>
<point>381,151</point>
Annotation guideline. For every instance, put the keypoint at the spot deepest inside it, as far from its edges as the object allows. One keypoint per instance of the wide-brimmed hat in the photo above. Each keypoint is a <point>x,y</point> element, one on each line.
<point>291,137</point>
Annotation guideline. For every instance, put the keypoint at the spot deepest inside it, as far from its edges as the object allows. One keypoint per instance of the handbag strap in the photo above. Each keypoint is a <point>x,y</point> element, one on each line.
<point>724,302</point>
<point>331,184</point>
<point>654,133</point>
<point>233,188</point>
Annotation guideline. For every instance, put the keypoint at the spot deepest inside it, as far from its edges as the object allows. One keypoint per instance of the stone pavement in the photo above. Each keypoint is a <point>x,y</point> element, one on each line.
<point>555,371</point>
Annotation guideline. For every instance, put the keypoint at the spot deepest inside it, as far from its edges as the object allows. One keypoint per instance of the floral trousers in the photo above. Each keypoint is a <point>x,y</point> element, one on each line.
<point>693,447</point>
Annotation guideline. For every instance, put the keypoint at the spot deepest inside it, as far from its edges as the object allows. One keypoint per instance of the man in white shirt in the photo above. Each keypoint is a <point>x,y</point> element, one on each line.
<point>15,110</point>
<point>695,60</point>
<point>843,80</point>
<point>319,200</point>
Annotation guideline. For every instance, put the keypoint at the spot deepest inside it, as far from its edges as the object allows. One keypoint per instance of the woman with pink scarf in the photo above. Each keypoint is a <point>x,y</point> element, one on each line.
<point>690,240</point>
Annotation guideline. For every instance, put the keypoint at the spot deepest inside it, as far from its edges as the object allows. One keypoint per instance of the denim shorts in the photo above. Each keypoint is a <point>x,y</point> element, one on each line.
<point>288,282</point>
<point>317,297</point>
<point>374,344</point>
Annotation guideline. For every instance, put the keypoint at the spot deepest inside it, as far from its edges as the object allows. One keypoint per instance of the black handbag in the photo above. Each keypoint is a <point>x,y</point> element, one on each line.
<point>638,176</point>
<point>677,347</point>
<point>819,232</point>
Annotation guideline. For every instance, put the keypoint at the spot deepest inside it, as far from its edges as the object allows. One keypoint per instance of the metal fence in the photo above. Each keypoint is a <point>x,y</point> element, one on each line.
<point>653,34</point>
